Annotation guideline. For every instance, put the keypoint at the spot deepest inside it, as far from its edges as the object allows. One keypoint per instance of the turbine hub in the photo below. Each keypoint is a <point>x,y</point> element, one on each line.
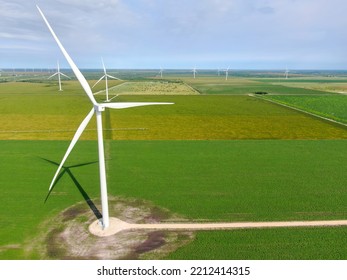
<point>99,108</point>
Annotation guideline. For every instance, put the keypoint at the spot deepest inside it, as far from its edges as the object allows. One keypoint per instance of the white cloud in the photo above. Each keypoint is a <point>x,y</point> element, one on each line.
<point>146,29</point>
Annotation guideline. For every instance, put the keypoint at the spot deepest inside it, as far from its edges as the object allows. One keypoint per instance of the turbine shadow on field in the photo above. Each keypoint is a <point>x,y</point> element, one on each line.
<point>67,169</point>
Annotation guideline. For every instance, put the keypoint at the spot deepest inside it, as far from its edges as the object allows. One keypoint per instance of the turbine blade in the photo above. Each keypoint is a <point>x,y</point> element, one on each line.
<point>72,144</point>
<point>112,77</point>
<point>52,75</point>
<point>124,105</point>
<point>65,75</point>
<point>103,65</point>
<point>98,81</point>
<point>73,66</point>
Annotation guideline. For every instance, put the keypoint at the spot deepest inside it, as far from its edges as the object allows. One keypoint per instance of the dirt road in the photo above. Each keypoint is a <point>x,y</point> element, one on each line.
<point>117,225</point>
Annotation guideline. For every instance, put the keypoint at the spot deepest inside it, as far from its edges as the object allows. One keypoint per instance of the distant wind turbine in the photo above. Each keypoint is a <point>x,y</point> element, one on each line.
<point>161,72</point>
<point>97,108</point>
<point>194,72</point>
<point>227,73</point>
<point>59,73</point>
<point>286,73</point>
<point>105,76</point>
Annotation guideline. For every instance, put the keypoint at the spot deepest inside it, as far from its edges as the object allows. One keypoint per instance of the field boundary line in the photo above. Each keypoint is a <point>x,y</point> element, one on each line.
<point>193,89</point>
<point>300,110</point>
<point>70,130</point>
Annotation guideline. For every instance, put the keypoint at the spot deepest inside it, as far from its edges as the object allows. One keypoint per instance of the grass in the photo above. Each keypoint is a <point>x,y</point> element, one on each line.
<point>24,181</point>
<point>219,180</point>
<point>268,244</point>
<point>236,180</point>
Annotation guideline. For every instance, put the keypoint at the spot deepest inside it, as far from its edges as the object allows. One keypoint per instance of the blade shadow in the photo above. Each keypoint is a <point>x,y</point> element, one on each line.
<point>67,169</point>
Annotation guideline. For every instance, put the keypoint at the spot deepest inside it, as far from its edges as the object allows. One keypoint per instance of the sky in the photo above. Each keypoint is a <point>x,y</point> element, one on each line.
<point>176,34</point>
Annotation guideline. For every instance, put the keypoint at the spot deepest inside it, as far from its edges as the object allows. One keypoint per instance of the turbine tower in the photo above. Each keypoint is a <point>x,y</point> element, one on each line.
<point>97,108</point>
<point>194,72</point>
<point>227,73</point>
<point>58,73</point>
<point>105,76</point>
<point>286,73</point>
<point>161,72</point>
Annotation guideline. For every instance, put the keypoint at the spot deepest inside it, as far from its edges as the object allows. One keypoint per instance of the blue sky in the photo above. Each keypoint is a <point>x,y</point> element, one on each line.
<point>242,34</point>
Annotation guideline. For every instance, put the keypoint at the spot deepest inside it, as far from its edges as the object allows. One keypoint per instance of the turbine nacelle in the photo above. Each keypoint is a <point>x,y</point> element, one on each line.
<point>99,108</point>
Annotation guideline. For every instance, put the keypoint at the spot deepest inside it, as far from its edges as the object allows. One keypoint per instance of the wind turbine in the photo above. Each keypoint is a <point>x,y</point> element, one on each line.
<point>227,73</point>
<point>105,76</point>
<point>286,73</point>
<point>161,72</point>
<point>59,73</point>
<point>194,72</point>
<point>97,108</point>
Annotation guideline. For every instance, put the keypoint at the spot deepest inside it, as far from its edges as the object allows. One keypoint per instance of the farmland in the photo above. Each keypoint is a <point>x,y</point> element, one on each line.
<point>332,107</point>
<point>220,155</point>
<point>152,88</point>
<point>196,117</point>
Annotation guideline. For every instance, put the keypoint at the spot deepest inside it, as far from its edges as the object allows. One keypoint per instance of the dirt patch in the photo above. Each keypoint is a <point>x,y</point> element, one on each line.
<point>66,236</point>
<point>72,213</point>
<point>155,240</point>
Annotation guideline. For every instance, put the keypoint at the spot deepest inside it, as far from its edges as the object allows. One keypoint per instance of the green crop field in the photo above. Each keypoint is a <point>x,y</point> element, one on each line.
<point>268,244</point>
<point>199,180</point>
<point>239,85</point>
<point>325,84</point>
<point>220,155</point>
<point>332,107</point>
<point>54,115</point>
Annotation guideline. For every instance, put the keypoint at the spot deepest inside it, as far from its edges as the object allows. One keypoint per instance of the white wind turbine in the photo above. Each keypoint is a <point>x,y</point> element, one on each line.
<point>59,73</point>
<point>227,73</point>
<point>286,73</point>
<point>98,108</point>
<point>161,72</point>
<point>105,76</point>
<point>194,72</point>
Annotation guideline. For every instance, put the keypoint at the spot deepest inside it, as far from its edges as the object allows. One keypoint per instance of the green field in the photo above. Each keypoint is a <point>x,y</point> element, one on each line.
<point>332,107</point>
<point>268,244</point>
<point>55,116</point>
<point>219,181</point>
<point>218,156</point>
<point>327,84</point>
<point>236,86</point>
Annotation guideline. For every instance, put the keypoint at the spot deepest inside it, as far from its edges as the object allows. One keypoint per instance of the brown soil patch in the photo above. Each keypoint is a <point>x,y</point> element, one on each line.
<point>67,236</point>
